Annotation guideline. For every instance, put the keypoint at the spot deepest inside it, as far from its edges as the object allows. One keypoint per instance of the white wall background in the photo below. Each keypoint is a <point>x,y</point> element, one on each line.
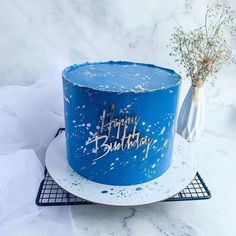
<point>34,34</point>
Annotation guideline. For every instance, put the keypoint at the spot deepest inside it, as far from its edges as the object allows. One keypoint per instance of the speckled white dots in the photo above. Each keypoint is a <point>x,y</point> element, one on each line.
<point>162,130</point>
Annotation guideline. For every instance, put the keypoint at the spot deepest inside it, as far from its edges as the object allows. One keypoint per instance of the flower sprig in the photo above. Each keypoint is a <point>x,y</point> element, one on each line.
<point>204,51</point>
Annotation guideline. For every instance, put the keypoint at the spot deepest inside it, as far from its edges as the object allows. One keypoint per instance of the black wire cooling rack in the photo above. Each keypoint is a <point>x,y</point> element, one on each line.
<point>51,194</point>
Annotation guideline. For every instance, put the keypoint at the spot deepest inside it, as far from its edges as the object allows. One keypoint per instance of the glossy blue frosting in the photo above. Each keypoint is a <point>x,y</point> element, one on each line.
<point>120,120</point>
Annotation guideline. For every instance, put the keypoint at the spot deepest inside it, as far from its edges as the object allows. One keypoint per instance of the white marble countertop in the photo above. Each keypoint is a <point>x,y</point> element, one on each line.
<point>49,35</point>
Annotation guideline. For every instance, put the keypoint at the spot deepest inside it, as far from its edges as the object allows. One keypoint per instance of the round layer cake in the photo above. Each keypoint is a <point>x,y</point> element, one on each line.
<point>120,120</point>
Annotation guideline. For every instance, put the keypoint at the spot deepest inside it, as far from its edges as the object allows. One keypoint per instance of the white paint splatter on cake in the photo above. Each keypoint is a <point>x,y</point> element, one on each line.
<point>67,100</point>
<point>162,131</point>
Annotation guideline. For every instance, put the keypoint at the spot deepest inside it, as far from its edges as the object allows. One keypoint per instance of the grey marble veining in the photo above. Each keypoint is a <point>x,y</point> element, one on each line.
<point>35,34</point>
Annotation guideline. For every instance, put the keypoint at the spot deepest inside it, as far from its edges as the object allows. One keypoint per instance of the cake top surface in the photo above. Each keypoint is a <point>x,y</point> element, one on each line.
<point>121,76</point>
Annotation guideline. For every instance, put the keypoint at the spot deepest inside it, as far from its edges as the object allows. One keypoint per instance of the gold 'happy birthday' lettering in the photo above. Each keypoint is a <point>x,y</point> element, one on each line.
<point>124,140</point>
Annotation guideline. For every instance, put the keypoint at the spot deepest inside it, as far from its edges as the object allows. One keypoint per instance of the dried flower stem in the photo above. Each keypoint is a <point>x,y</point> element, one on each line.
<point>204,50</point>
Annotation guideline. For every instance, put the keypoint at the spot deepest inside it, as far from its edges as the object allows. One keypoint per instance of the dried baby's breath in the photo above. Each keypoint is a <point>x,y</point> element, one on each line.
<point>204,51</point>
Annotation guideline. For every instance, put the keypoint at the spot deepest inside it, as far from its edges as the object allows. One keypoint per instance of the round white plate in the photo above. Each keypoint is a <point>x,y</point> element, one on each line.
<point>176,178</point>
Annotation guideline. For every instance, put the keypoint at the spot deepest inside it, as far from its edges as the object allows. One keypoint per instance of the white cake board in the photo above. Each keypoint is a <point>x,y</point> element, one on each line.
<point>175,179</point>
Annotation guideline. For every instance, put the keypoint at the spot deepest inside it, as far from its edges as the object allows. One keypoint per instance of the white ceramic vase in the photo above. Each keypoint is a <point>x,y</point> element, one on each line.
<point>191,117</point>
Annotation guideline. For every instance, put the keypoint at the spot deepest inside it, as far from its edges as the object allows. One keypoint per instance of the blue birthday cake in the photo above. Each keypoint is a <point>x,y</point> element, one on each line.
<point>120,120</point>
